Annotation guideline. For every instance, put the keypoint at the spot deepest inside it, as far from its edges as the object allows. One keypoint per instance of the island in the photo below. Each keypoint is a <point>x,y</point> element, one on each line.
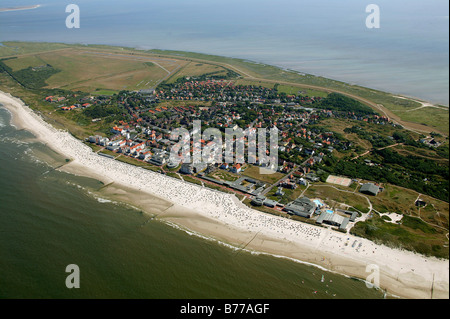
<point>360,182</point>
<point>20,8</point>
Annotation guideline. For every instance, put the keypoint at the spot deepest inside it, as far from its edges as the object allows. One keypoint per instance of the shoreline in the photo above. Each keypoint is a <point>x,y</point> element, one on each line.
<point>20,8</point>
<point>222,217</point>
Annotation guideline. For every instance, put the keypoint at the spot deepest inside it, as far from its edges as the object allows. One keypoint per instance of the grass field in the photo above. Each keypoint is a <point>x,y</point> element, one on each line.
<point>289,194</point>
<point>135,162</point>
<point>91,72</point>
<point>400,200</point>
<point>24,62</point>
<point>291,90</point>
<point>224,176</point>
<point>14,48</point>
<point>253,172</point>
<point>192,69</point>
<point>138,79</point>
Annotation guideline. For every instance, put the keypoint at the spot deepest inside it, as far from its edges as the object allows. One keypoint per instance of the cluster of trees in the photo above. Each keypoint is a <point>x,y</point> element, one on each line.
<point>414,163</point>
<point>422,175</point>
<point>31,77</point>
<point>101,111</point>
<point>375,139</point>
<point>339,102</point>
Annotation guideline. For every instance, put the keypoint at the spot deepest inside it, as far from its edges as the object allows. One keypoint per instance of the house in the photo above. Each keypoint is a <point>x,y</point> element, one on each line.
<point>236,169</point>
<point>94,139</point>
<point>158,160</point>
<point>302,206</point>
<point>145,156</point>
<point>171,165</point>
<point>353,215</point>
<point>116,130</point>
<point>103,141</point>
<point>421,203</point>
<point>137,148</point>
<point>333,219</point>
<point>112,148</point>
<point>187,169</point>
<point>258,200</point>
<point>288,184</point>
<point>312,177</point>
<point>270,203</point>
<point>147,92</point>
<point>200,167</point>
<point>279,192</point>
<point>370,189</point>
<point>224,166</point>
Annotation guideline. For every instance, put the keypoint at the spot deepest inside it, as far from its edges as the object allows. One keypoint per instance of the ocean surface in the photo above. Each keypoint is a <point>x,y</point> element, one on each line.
<point>408,54</point>
<point>50,219</point>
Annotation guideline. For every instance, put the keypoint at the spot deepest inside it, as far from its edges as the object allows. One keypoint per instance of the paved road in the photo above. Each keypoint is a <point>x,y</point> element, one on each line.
<point>267,190</point>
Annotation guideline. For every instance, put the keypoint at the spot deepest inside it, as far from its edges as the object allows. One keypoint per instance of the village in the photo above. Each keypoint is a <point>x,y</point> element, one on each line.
<point>143,132</point>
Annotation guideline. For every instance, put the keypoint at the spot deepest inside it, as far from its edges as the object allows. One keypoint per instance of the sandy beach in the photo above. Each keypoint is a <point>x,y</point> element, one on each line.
<point>224,218</point>
<point>20,8</point>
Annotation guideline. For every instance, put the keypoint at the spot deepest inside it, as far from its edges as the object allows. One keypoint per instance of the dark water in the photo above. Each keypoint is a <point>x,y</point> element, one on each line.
<point>50,219</point>
<point>408,54</point>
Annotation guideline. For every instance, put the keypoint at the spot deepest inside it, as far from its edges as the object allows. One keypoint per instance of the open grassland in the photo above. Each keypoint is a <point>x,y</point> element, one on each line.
<point>142,78</point>
<point>193,69</point>
<point>396,199</point>
<point>295,90</point>
<point>339,125</point>
<point>25,62</point>
<point>78,69</point>
<point>289,194</point>
<point>224,176</point>
<point>86,70</point>
<point>135,162</point>
<point>254,172</point>
<point>15,48</point>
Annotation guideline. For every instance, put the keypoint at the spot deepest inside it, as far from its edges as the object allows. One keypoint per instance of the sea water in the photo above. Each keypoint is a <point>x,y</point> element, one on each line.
<point>407,55</point>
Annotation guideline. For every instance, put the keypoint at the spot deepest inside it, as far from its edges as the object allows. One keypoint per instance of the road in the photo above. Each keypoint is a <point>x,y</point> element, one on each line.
<point>370,151</point>
<point>267,190</point>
